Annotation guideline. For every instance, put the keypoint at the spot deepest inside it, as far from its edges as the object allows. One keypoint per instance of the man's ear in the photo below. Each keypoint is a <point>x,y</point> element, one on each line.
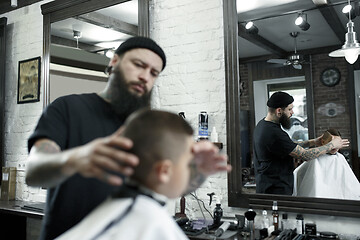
<point>278,112</point>
<point>164,170</point>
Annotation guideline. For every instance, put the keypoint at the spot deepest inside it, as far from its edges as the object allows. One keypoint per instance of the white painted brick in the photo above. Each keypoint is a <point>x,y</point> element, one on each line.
<point>24,41</point>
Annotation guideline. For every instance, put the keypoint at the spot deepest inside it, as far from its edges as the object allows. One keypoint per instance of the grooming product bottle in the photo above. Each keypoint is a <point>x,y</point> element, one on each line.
<point>275,215</point>
<point>284,222</point>
<point>299,224</point>
<point>265,220</point>
<point>250,216</point>
<point>218,212</point>
<point>203,126</point>
<point>214,135</point>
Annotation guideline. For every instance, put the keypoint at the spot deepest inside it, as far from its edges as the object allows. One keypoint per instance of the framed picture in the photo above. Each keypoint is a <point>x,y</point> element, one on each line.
<point>29,80</point>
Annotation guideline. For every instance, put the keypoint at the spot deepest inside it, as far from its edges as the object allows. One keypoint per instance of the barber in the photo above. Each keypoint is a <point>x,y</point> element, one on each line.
<point>76,150</point>
<point>274,151</point>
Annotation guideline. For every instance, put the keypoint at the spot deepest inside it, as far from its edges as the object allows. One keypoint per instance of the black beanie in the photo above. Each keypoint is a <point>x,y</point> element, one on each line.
<point>280,100</point>
<point>142,42</point>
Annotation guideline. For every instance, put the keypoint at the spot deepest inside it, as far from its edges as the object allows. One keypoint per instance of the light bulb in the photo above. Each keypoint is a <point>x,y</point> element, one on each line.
<point>351,55</point>
<point>249,25</point>
<point>347,9</point>
<point>299,20</point>
<point>109,54</point>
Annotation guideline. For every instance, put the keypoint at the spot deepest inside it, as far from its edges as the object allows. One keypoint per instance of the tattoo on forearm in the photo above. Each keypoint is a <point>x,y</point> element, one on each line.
<point>47,147</point>
<point>307,143</point>
<point>196,179</point>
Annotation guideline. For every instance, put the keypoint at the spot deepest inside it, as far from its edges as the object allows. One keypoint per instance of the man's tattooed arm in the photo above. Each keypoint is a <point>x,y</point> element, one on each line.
<point>310,143</point>
<point>309,154</point>
<point>45,164</point>
<point>196,179</point>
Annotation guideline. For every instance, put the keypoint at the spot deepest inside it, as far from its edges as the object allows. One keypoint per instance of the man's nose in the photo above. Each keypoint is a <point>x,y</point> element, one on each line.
<point>145,75</point>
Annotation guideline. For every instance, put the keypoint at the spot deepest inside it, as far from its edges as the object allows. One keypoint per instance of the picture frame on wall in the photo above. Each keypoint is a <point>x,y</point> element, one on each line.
<point>29,80</point>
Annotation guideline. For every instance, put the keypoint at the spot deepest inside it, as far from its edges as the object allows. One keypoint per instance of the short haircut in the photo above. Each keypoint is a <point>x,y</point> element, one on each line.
<point>156,135</point>
<point>327,135</point>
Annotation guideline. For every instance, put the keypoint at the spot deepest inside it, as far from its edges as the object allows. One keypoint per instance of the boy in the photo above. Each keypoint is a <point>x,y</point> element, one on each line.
<point>163,143</point>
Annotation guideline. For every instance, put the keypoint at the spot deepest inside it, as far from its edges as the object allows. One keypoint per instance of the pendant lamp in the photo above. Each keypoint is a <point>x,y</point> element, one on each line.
<point>351,48</point>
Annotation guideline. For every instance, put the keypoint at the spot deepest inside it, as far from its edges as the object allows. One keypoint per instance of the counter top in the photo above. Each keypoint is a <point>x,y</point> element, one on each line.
<point>16,207</point>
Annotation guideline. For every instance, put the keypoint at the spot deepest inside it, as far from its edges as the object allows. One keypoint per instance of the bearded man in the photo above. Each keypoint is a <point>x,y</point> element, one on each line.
<point>77,150</point>
<point>274,151</point>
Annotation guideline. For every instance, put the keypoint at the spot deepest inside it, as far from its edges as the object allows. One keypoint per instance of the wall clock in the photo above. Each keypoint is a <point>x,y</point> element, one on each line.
<point>330,76</point>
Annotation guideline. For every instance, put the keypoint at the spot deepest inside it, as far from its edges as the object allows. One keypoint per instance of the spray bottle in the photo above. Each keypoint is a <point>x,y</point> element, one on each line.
<point>218,212</point>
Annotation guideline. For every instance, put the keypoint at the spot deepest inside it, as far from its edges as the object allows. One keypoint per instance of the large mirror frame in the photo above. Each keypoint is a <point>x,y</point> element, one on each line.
<point>236,198</point>
<point>60,10</point>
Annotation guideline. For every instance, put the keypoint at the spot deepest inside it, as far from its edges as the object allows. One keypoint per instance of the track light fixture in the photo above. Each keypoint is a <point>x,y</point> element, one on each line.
<point>301,21</point>
<point>251,28</point>
<point>351,48</point>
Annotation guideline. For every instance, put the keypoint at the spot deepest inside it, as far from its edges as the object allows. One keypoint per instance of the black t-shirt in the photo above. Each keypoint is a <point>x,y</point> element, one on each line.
<point>272,162</point>
<point>72,121</point>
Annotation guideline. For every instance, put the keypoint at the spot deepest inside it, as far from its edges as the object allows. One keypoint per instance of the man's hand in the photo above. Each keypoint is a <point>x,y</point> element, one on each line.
<point>104,158</point>
<point>208,160</point>
<point>339,143</point>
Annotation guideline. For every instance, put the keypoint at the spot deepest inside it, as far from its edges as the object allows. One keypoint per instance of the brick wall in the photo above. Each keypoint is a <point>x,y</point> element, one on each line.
<point>24,40</point>
<point>191,33</point>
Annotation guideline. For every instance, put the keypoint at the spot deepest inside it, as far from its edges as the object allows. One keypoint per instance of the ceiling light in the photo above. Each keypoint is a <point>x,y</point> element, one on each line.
<point>13,3</point>
<point>109,53</point>
<point>348,10</point>
<point>251,28</point>
<point>351,48</point>
<point>77,34</point>
<point>301,21</point>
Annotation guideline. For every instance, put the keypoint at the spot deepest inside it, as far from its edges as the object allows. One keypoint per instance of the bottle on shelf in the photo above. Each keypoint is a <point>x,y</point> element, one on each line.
<point>299,224</point>
<point>284,222</point>
<point>218,212</point>
<point>275,215</point>
<point>265,220</point>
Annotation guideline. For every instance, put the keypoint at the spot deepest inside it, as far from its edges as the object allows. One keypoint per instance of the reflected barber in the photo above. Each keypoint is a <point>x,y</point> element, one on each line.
<point>274,151</point>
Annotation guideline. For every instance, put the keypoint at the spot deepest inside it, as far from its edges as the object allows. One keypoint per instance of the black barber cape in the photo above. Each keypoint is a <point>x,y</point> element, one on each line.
<point>272,162</point>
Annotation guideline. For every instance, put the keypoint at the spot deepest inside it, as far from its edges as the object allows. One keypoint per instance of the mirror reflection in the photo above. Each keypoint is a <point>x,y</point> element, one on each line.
<point>82,46</point>
<point>282,56</point>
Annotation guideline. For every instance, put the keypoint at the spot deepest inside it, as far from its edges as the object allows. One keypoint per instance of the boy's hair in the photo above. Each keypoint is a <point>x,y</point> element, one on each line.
<point>156,135</point>
<point>327,136</point>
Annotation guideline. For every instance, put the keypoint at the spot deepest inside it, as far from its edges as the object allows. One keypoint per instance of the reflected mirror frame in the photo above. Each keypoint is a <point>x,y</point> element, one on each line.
<point>323,206</point>
<point>60,10</point>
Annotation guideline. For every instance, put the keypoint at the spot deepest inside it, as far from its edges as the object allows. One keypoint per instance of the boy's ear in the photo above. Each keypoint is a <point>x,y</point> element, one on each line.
<point>164,170</point>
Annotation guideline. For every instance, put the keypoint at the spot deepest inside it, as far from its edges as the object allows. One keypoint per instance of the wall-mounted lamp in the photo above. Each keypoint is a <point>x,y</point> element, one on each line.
<point>13,3</point>
<point>301,21</point>
<point>351,48</point>
<point>251,28</point>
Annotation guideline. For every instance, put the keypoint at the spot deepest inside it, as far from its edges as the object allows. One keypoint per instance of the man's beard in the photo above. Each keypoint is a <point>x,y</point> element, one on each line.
<point>122,101</point>
<point>285,122</point>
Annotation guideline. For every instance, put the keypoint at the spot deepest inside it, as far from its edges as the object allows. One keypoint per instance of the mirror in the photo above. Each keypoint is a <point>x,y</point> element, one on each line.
<point>273,41</point>
<point>83,45</point>
<point>73,23</point>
